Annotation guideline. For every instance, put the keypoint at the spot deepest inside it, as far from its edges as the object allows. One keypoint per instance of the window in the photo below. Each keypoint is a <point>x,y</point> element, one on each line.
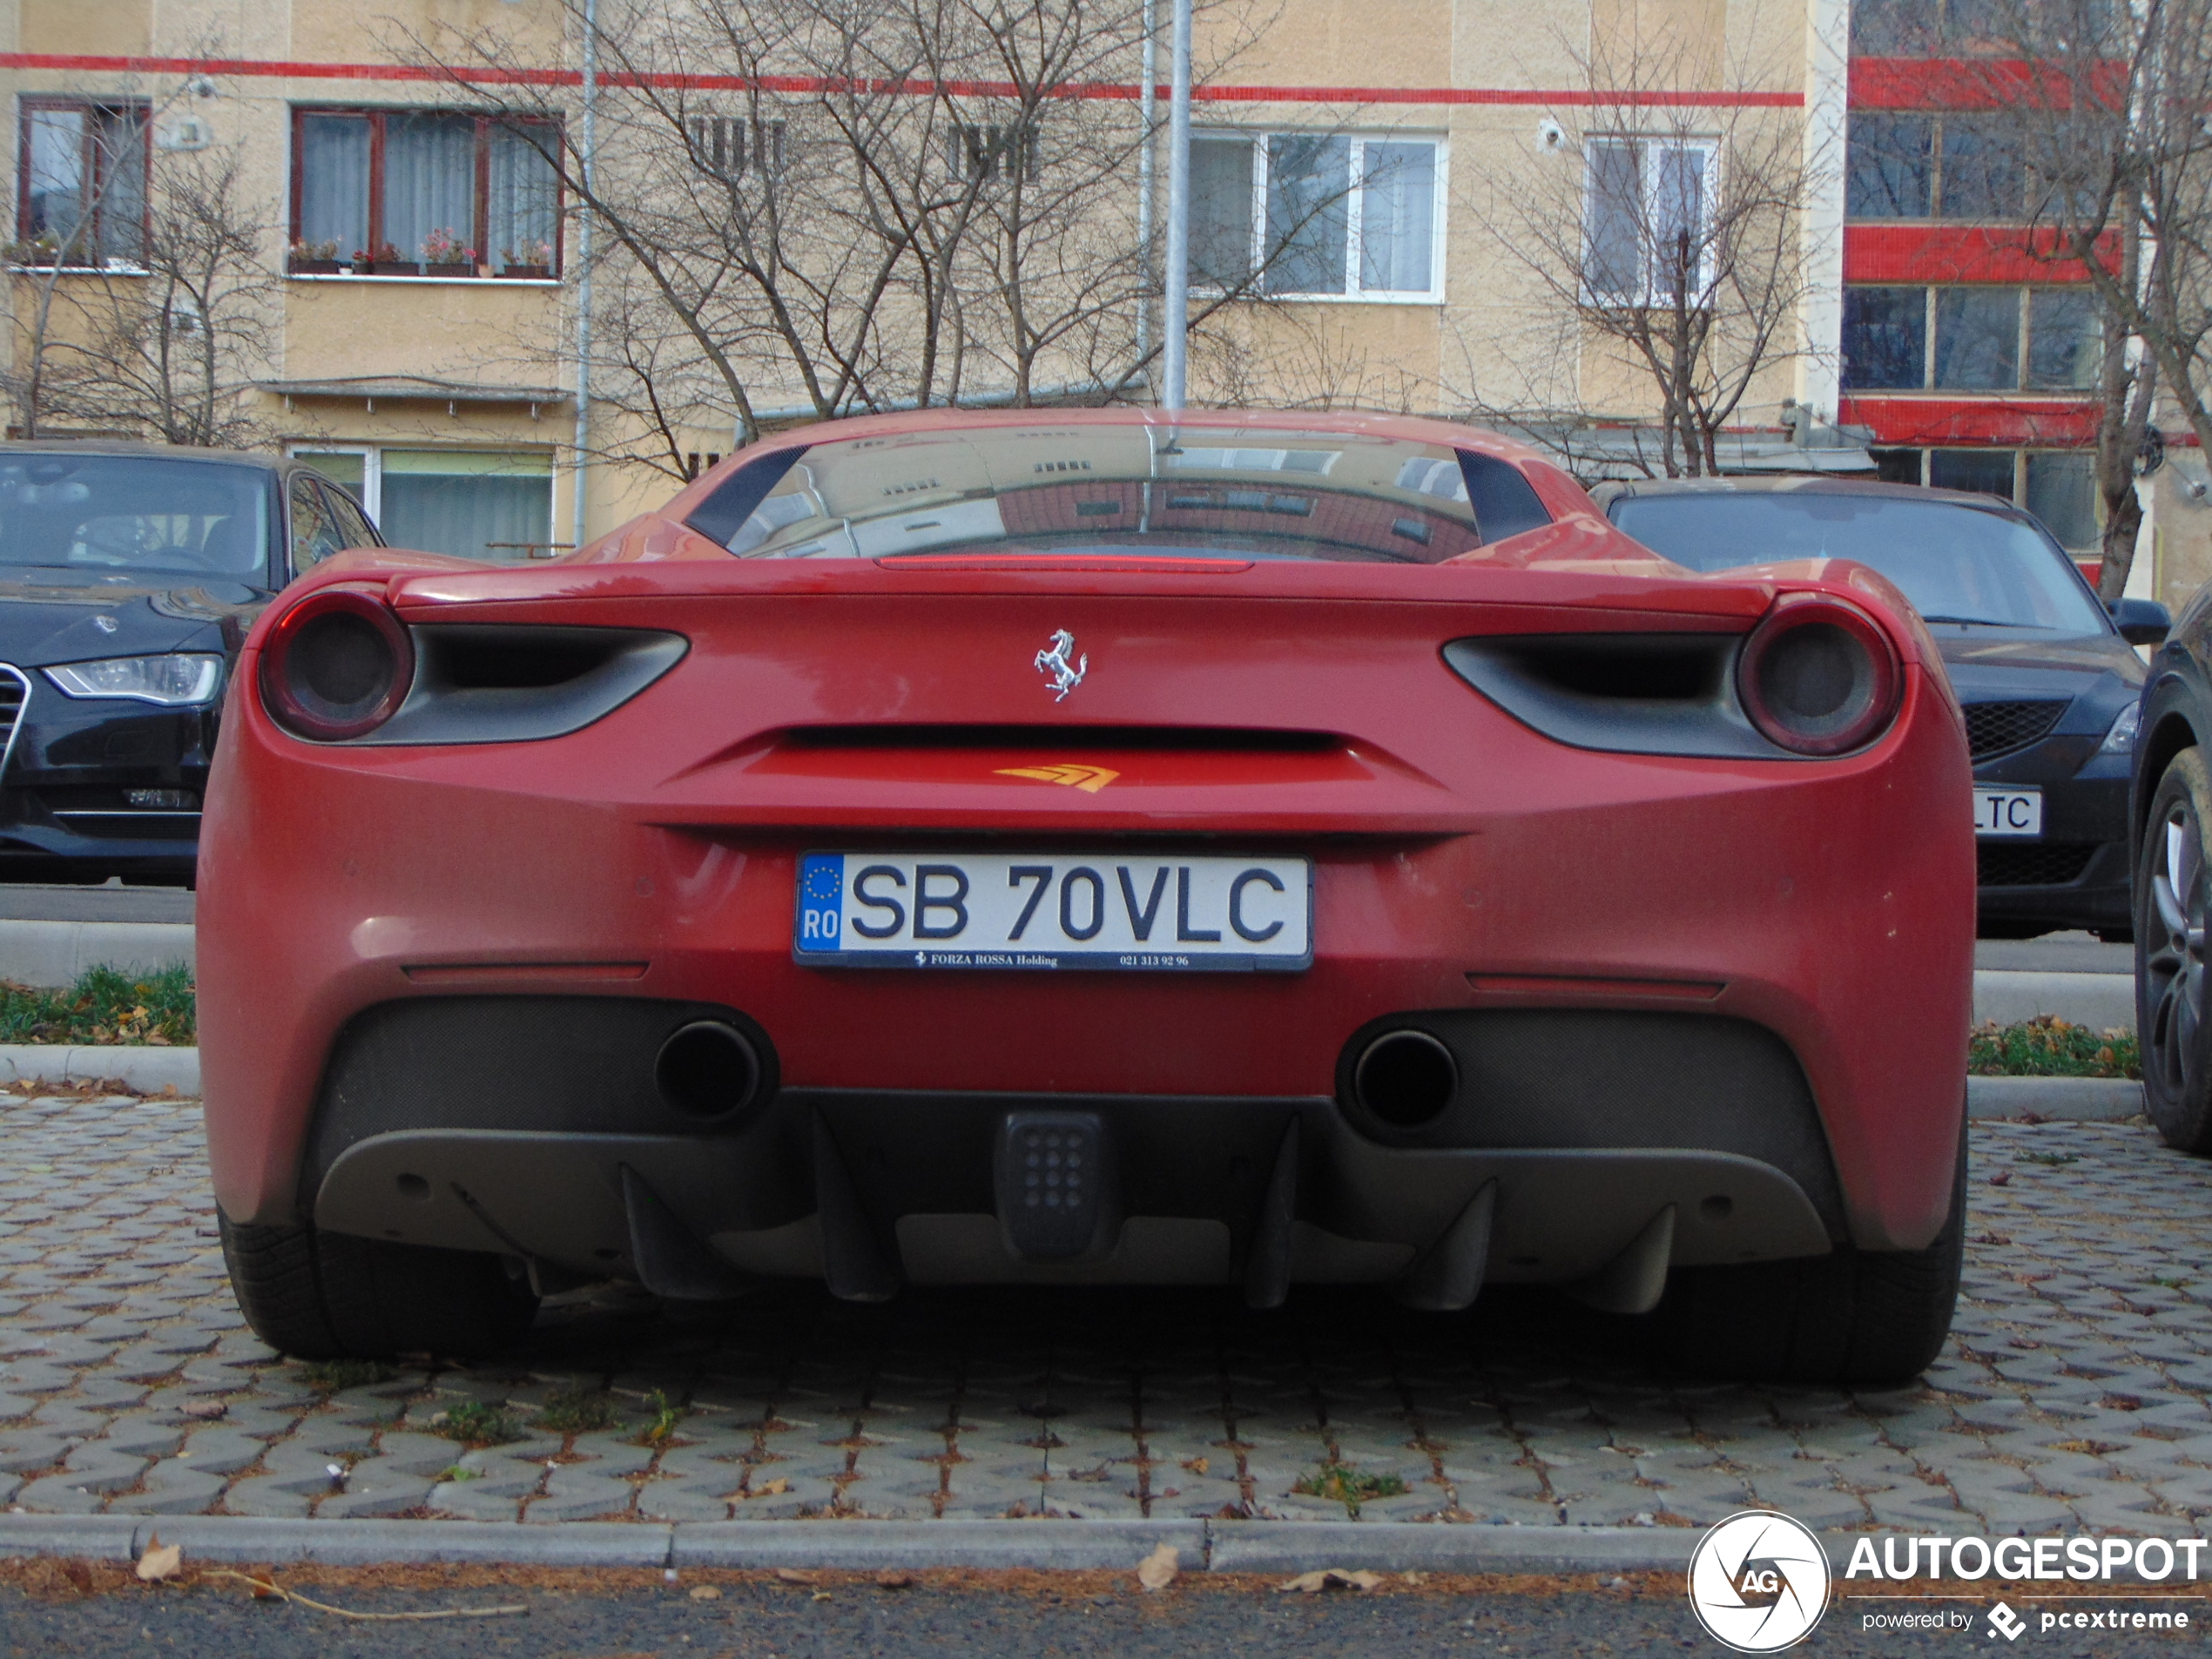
<point>1888,166</point>
<point>1971,339</point>
<point>476,504</point>
<point>2058,486</point>
<point>1977,28</point>
<point>1645,234</point>
<point>82,190</point>
<point>1932,166</point>
<point>1977,340</point>
<point>1317,214</point>
<point>391,192</point>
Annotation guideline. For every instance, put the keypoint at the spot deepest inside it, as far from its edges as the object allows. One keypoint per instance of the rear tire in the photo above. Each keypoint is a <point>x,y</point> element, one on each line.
<point>1853,1316</point>
<point>318,1295</point>
<point>2171,894</point>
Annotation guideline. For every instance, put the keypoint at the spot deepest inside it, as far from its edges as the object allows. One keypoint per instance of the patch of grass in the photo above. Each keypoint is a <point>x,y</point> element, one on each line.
<point>105,1005</point>
<point>577,1411</point>
<point>454,1471</point>
<point>474,1424</point>
<point>2051,1160</point>
<point>666,1415</point>
<point>2049,1046</point>
<point>335,1376</point>
<point>1341,1483</point>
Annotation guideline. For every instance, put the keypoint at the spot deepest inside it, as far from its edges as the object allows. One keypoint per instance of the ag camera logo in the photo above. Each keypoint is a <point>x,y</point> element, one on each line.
<point>1758,1581</point>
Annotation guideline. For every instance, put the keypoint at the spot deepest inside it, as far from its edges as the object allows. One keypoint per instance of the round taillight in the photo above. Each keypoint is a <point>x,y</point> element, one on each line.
<point>1820,676</point>
<point>336,665</point>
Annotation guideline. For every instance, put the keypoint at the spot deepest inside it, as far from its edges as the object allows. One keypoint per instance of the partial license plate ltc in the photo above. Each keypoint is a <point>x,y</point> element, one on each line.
<point>2008,814</point>
<point>1044,910</point>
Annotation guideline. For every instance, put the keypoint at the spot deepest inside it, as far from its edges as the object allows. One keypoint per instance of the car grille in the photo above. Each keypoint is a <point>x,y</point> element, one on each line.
<point>2029,864</point>
<point>1994,728</point>
<point>15,692</point>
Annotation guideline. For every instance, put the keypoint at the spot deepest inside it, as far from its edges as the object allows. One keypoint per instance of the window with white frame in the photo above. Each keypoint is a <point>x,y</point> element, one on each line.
<point>1647,219</point>
<point>1318,214</point>
<point>474,503</point>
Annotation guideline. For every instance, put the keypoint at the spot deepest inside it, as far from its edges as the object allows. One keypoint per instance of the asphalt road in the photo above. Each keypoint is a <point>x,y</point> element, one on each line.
<point>34,901</point>
<point>1080,1616</point>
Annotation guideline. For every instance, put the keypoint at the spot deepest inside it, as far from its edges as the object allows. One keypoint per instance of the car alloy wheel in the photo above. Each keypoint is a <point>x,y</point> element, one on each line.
<point>2174,963</point>
<point>2170,957</point>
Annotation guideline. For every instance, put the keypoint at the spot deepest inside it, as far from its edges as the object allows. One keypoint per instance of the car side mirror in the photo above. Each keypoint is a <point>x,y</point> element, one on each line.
<point>2142,622</point>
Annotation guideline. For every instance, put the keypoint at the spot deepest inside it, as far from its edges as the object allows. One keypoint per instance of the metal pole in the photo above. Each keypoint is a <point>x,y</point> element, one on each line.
<point>1176,323</point>
<point>585,154</point>
<point>1147,102</point>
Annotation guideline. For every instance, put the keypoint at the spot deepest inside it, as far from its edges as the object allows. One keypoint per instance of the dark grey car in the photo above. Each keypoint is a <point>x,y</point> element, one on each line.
<point>2048,678</point>
<point>128,574</point>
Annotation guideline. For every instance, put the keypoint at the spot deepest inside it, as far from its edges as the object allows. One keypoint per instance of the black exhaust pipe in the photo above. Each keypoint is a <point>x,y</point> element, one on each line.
<point>1405,1079</point>
<point>707,1069</point>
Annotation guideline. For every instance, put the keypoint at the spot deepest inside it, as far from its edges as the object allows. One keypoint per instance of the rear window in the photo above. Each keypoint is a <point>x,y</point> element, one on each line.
<point>1957,564</point>
<point>1127,490</point>
<point>138,514</point>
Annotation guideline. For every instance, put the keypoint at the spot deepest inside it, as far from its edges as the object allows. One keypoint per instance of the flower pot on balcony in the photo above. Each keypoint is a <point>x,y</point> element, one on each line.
<point>527,272</point>
<point>389,268</point>
<point>449,268</point>
<point>315,267</point>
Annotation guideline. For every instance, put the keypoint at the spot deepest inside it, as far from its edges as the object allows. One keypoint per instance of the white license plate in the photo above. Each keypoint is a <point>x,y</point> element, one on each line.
<point>1046,910</point>
<point>2015,814</point>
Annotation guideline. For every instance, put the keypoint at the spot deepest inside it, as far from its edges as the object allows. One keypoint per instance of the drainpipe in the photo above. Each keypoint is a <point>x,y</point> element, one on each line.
<point>1176,297</point>
<point>1147,103</point>
<point>586,153</point>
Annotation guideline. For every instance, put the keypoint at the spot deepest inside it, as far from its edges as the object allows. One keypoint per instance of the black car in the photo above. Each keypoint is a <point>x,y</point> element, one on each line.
<point>129,576</point>
<point>2050,681</point>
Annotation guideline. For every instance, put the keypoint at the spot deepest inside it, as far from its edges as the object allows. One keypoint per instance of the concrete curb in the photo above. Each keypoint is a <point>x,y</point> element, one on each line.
<point>2098,1001</point>
<point>2075,1099</point>
<point>52,953</point>
<point>866,1546</point>
<point>149,1071</point>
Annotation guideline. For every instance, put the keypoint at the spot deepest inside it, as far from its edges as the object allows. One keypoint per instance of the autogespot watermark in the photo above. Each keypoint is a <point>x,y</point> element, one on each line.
<point>2021,1564</point>
<point>1760,1581</point>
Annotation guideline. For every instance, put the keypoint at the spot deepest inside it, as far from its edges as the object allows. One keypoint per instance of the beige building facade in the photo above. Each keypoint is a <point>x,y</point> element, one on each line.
<point>1386,179</point>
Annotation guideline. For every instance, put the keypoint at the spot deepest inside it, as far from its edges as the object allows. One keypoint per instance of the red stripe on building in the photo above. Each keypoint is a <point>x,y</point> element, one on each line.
<point>486,75</point>
<point>1935,421</point>
<point>1967,83</point>
<point>1961,254</point>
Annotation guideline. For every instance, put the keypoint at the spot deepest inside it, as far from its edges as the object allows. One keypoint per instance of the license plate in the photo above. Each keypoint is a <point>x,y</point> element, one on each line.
<point>1054,910</point>
<point>2008,814</point>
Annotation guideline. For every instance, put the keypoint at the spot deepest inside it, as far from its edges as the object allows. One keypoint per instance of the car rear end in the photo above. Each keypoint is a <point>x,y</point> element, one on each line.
<point>1180,918</point>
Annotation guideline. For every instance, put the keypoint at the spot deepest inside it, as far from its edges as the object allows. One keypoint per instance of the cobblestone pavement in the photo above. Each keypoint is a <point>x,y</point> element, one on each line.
<point>2077,1391</point>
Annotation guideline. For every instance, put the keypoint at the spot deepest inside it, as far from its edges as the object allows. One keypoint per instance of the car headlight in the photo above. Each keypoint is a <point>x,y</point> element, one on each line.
<point>2120,740</point>
<point>180,677</point>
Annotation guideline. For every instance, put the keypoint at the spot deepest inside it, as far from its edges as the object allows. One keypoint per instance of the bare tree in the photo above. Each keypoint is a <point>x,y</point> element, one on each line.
<point>1658,240</point>
<point>172,351</point>
<point>841,206</point>
<point>2101,106</point>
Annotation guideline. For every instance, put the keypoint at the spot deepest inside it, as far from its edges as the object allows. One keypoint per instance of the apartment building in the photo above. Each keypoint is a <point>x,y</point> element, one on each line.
<point>1375,174</point>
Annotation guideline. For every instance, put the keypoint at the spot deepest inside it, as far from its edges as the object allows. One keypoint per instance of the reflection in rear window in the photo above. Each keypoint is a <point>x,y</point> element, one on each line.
<point>150,514</point>
<point>1120,489</point>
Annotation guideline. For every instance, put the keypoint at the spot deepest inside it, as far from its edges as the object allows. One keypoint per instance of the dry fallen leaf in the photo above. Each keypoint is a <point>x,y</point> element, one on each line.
<point>1333,1578</point>
<point>774,1489</point>
<point>705,1593</point>
<point>1157,1570</point>
<point>792,1575</point>
<point>821,1595</point>
<point>1196,1465</point>
<point>161,1562</point>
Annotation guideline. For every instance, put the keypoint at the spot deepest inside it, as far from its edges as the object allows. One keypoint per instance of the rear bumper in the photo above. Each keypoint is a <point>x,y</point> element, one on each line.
<point>534,1125</point>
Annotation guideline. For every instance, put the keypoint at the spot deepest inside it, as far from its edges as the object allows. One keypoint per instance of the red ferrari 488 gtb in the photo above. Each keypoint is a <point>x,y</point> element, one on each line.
<point>1113,847</point>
